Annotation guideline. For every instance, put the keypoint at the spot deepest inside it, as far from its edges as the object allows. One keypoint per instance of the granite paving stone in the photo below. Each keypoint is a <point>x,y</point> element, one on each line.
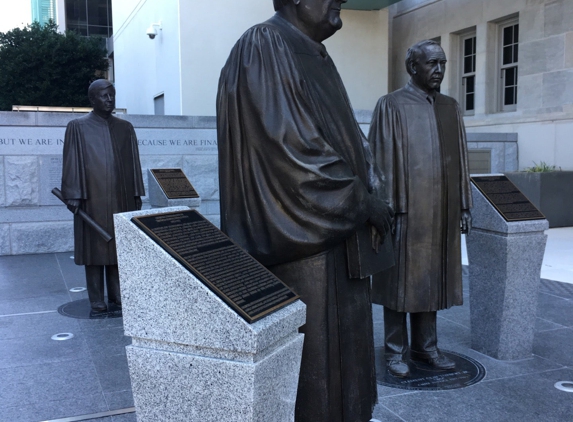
<point>555,345</point>
<point>33,304</point>
<point>545,325</point>
<point>40,350</point>
<point>458,314</point>
<point>119,399</point>
<point>475,403</point>
<point>107,342</point>
<point>537,395</point>
<point>556,309</point>
<point>46,382</point>
<point>385,415</point>
<point>113,372</point>
<point>32,325</point>
<point>40,411</point>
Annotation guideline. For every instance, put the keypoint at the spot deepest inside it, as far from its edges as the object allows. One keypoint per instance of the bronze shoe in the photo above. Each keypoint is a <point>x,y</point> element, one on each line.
<point>398,368</point>
<point>98,306</point>
<point>440,363</point>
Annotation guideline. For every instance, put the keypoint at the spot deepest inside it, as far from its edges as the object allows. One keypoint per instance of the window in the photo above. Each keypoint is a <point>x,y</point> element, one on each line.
<point>89,17</point>
<point>509,55</point>
<point>468,67</point>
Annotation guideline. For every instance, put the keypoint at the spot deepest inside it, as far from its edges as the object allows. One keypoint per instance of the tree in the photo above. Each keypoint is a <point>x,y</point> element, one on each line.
<point>40,66</point>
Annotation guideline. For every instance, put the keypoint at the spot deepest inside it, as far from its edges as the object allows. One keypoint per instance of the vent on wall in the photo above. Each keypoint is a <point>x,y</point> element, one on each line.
<point>480,161</point>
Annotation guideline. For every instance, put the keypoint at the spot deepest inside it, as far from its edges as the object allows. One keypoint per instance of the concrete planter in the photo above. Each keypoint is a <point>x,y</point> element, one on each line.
<point>551,192</point>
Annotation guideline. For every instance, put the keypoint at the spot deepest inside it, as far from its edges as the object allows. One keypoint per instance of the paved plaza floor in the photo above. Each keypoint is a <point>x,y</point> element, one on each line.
<point>45,379</point>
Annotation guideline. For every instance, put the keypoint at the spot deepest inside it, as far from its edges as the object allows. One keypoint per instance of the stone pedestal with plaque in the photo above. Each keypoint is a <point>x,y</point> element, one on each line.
<point>214,334</point>
<point>171,188</point>
<point>505,252</point>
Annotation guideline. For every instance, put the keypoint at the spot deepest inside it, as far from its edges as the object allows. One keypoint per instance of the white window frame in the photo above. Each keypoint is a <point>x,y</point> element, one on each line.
<point>503,68</point>
<point>465,75</point>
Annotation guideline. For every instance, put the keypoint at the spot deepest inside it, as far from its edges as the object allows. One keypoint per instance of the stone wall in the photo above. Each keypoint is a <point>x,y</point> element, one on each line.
<point>32,220</point>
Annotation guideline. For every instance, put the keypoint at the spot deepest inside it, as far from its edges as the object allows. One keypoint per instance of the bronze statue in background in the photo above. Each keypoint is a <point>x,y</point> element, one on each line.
<point>419,142</point>
<point>296,182</point>
<point>102,176</point>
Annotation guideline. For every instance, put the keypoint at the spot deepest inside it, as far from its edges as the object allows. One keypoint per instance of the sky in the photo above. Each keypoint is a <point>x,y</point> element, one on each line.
<point>14,13</point>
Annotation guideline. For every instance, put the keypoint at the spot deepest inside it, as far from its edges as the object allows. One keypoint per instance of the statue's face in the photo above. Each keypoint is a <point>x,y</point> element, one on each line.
<point>430,68</point>
<point>103,101</point>
<point>321,17</point>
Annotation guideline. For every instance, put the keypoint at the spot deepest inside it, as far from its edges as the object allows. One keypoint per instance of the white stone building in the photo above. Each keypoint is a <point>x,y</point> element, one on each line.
<point>518,75</point>
<point>177,72</point>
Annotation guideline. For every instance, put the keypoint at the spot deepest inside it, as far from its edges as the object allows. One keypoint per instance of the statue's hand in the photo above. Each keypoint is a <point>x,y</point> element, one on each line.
<point>73,205</point>
<point>381,216</point>
<point>466,222</point>
<point>138,203</point>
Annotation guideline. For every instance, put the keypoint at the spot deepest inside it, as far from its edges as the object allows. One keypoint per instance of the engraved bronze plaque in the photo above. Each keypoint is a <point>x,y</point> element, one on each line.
<point>231,273</point>
<point>506,198</point>
<point>174,183</point>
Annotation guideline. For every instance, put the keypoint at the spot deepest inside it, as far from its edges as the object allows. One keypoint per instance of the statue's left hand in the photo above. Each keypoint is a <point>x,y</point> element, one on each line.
<point>138,203</point>
<point>466,222</point>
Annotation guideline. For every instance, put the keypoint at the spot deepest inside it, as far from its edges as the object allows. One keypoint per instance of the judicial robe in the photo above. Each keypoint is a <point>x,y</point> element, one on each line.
<point>419,142</point>
<point>101,167</point>
<point>293,181</point>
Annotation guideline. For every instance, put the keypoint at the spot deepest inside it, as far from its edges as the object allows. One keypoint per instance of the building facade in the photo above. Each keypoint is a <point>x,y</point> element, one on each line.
<point>177,72</point>
<point>510,66</point>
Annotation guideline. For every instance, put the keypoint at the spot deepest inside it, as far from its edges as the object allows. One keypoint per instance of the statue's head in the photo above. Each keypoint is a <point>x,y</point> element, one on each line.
<point>426,64</point>
<point>319,19</point>
<point>102,97</point>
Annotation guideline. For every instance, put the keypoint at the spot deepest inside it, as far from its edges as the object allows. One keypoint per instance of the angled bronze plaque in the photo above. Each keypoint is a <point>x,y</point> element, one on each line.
<point>506,198</point>
<point>231,273</point>
<point>174,183</point>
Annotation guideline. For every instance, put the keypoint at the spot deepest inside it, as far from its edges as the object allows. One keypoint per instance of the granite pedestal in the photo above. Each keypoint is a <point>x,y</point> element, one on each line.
<point>158,198</point>
<point>192,357</point>
<point>504,269</point>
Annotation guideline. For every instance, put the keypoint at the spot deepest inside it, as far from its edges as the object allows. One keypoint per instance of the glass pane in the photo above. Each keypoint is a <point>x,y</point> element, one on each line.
<point>109,20</point>
<point>508,35</point>
<point>509,96</point>
<point>510,77</point>
<point>97,12</point>
<point>469,102</point>
<point>470,84</point>
<point>78,29</point>
<point>98,30</point>
<point>516,33</point>
<point>515,49</point>
<point>468,47</point>
<point>507,55</point>
<point>468,64</point>
<point>75,12</point>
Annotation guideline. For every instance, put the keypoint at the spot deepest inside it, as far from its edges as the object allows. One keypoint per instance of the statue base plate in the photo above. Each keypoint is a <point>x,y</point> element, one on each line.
<point>81,309</point>
<point>468,371</point>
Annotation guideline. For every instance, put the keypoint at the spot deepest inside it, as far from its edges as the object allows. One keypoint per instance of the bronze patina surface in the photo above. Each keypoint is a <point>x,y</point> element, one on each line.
<point>174,183</point>
<point>506,198</point>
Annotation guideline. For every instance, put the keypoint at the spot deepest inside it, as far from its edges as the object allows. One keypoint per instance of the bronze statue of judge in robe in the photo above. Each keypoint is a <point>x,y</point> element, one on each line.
<point>419,141</point>
<point>101,175</point>
<point>297,181</point>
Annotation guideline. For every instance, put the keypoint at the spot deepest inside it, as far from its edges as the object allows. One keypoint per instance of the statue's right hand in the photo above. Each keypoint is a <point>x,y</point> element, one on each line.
<point>73,205</point>
<point>381,216</point>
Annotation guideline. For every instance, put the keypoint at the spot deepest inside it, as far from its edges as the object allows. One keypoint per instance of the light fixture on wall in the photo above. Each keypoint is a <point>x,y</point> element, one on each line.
<point>152,30</point>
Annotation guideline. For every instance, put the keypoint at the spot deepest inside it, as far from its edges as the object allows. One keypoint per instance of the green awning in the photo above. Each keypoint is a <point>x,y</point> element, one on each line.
<point>368,4</point>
